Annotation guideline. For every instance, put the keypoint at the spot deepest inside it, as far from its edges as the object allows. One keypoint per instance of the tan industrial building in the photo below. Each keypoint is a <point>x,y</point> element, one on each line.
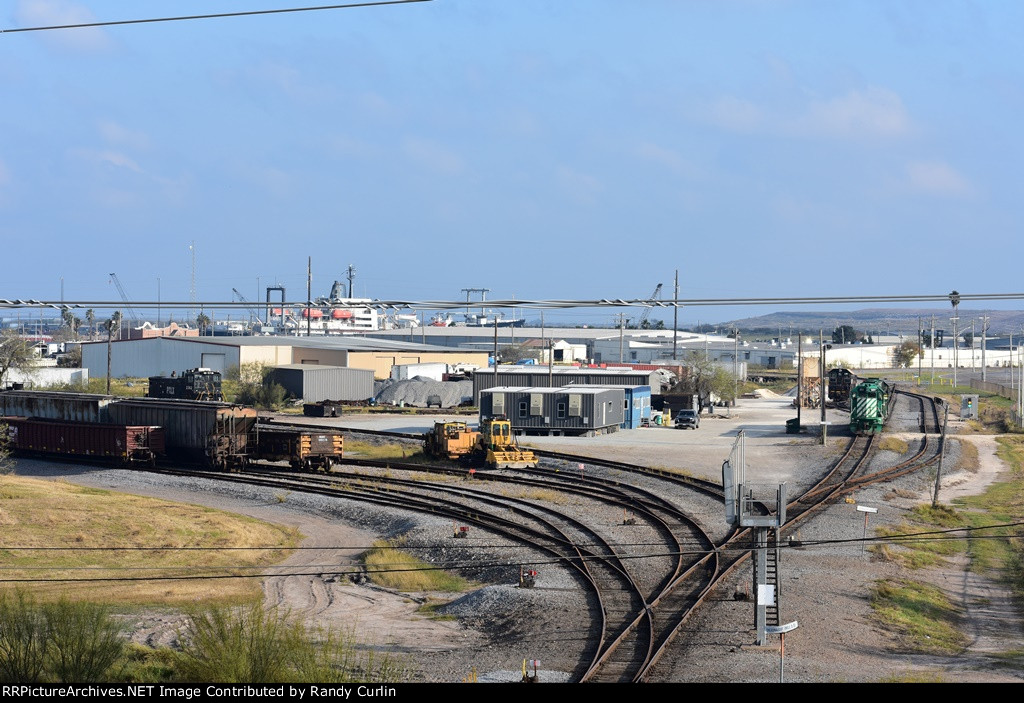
<point>159,356</point>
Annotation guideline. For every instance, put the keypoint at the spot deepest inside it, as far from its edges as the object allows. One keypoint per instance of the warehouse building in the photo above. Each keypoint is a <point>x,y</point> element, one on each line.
<point>313,383</point>
<point>159,356</point>
<point>577,411</point>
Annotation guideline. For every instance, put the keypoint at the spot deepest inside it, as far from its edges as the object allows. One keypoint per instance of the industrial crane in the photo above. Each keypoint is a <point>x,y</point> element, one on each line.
<point>134,316</point>
<point>248,306</point>
<point>647,311</point>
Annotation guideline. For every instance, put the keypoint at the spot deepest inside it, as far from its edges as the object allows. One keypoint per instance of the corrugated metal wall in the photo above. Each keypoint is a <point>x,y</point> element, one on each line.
<point>577,409</point>
<point>157,356</point>
<point>316,383</point>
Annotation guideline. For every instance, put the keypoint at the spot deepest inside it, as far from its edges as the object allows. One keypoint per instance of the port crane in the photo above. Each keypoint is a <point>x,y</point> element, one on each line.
<point>248,306</point>
<point>656,295</point>
<point>132,315</point>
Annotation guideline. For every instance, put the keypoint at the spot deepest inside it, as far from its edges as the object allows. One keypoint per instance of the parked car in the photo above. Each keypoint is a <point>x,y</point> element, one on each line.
<point>687,419</point>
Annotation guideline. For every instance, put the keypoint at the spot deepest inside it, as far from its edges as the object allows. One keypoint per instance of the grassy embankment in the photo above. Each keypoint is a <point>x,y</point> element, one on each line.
<point>923,614</point>
<point>70,522</point>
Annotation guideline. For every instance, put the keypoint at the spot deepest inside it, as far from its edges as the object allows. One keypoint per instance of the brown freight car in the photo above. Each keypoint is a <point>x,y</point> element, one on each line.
<point>304,449</point>
<point>126,445</point>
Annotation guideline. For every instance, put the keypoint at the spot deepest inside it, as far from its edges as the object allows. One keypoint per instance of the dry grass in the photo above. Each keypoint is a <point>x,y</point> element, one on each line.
<point>394,450</point>
<point>893,444</point>
<point>57,514</point>
<point>969,460</point>
<point>392,568</point>
<point>541,494</point>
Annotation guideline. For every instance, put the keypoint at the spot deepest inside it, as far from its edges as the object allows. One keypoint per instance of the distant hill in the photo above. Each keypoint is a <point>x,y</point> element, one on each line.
<point>881,319</point>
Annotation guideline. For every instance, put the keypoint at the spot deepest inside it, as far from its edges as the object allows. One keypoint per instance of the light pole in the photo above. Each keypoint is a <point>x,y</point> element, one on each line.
<point>822,348</point>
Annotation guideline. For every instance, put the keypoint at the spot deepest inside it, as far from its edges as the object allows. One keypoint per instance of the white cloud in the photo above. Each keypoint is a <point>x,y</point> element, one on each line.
<point>433,155</point>
<point>859,113</point>
<point>734,114</point>
<point>55,13</point>
<point>119,135</point>
<point>107,156</point>
<point>937,178</point>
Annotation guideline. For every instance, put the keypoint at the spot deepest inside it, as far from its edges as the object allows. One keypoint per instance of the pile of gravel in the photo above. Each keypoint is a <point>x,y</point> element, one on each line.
<point>415,392</point>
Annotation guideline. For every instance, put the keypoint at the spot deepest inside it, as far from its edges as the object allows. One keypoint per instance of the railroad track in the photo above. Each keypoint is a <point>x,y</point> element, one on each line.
<point>669,606</point>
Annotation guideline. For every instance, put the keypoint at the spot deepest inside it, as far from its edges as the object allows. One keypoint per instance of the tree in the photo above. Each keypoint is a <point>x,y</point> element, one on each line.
<point>845,334</point>
<point>706,378</point>
<point>15,353</point>
<point>202,322</point>
<point>904,354</point>
<point>90,320</point>
<point>255,386</point>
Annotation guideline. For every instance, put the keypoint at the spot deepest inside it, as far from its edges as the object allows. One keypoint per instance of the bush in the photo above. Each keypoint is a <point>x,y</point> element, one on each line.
<point>23,639</point>
<point>63,642</point>
<point>256,645</point>
<point>85,642</point>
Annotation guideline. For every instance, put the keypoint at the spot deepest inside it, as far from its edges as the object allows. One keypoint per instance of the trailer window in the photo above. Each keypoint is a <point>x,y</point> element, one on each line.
<point>522,408</point>
<point>561,411</point>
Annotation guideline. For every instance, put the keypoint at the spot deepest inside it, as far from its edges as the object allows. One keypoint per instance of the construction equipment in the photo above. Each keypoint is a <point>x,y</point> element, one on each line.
<point>493,445</point>
<point>134,316</point>
<point>450,440</point>
<point>502,452</point>
<point>647,311</point>
<point>248,306</point>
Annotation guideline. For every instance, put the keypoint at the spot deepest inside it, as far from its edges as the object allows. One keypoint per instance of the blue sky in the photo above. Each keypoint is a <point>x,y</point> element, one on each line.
<point>562,149</point>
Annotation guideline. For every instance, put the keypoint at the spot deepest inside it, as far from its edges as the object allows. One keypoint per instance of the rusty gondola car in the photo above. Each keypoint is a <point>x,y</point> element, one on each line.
<point>304,449</point>
<point>125,445</point>
<point>219,435</point>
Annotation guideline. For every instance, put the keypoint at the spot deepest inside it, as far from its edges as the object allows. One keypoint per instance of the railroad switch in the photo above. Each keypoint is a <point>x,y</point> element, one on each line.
<point>461,532</point>
<point>851,499</point>
<point>628,518</point>
<point>527,578</point>
<point>527,676</point>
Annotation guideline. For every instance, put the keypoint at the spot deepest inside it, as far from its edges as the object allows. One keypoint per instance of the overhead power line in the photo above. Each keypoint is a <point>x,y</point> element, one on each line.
<point>537,304</point>
<point>182,18</point>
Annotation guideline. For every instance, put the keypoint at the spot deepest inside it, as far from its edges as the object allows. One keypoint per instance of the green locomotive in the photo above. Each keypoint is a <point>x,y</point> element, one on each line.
<point>869,406</point>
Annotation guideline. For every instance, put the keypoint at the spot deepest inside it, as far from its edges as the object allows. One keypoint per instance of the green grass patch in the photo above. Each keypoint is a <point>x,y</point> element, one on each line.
<point>928,550</point>
<point>393,450</point>
<point>915,677</point>
<point>56,514</point>
<point>390,567</point>
<point>123,387</point>
<point>921,614</point>
<point>430,608</point>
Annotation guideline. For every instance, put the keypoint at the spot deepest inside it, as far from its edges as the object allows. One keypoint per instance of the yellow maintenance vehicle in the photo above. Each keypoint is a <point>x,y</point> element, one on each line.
<point>494,445</point>
<point>450,440</point>
<point>502,452</point>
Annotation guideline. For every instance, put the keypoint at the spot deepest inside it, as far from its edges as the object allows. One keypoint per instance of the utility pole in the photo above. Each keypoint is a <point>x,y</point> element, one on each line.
<point>495,350</point>
<point>942,452</point>
<point>735,364</point>
<point>622,332</point>
<point>309,296</point>
<point>675,320</point>
<point>931,345</point>
<point>821,369</point>
<point>954,299</point>
<point>972,343</point>
<point>920,347</point>
<point>984,340</point>
<point>799,375</point>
